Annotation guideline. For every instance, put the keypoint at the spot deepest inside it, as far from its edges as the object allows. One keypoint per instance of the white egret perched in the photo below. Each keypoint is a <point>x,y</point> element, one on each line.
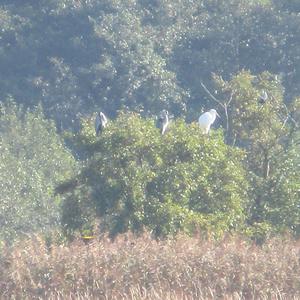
<point>207,119</point>
<point>163,121</point>
<point>100,122</point>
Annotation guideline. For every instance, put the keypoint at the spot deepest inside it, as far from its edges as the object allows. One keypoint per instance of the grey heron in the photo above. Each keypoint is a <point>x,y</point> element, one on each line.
<point>207,119</point>
<point>100,122</point>
<point>263,97</point>
<point>163,121</point>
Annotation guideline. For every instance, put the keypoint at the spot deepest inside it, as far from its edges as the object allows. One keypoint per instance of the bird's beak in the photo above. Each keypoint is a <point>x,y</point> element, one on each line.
<point>218,115</point>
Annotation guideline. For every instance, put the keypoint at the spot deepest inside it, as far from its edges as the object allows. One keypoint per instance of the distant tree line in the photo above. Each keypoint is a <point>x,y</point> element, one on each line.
<point>75,57</point>
<point>64,60</point>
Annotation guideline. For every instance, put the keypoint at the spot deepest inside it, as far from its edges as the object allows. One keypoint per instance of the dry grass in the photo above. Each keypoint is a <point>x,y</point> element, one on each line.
<point>142,268</point>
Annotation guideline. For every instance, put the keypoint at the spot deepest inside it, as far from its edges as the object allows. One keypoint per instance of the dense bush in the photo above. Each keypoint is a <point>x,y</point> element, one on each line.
<point>33,159</point>
<point>269,132</point>
<point>136,177</point>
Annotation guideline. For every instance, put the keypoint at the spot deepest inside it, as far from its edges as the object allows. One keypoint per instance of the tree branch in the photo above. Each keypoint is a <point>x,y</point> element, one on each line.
<point>211,95</point>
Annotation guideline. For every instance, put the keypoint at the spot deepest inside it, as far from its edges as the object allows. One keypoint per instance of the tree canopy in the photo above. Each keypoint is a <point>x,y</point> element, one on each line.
<point>77,56</point>
<point>33,160</point>
<point>137,178</point>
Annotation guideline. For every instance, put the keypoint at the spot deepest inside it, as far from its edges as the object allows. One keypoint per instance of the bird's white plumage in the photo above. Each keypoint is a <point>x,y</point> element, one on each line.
<point>207,119</point>
<point>100,122</point>
<point>103,119</point>
<point>165,124</point>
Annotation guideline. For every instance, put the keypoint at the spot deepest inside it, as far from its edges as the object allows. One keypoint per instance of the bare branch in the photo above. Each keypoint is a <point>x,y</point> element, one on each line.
<point>231,97</point>
<point>288,113</point>
<point>283,125</point>
<point>211,95</point>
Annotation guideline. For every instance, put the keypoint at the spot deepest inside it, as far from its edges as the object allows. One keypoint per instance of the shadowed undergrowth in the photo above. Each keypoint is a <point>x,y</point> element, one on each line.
<point>142,268</point>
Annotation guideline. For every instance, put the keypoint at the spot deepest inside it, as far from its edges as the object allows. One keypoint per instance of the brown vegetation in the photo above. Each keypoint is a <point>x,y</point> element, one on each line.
<point>142,268</point>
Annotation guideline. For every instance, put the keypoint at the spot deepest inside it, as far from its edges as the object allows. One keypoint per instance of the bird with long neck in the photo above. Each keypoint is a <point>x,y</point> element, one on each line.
<point>207,119</point>
<point>163,121</point>
<point>100,122</point>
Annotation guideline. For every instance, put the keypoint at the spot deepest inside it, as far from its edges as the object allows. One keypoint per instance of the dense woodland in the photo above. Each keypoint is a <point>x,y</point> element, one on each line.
<point>131,213</point>
<point>63,60</point>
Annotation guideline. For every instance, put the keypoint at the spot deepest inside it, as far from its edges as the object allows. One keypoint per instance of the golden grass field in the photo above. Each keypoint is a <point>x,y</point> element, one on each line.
<point>143,268</point>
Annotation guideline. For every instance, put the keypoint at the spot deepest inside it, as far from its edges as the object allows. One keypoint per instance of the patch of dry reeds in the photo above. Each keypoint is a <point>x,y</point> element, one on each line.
<point>143,268</point>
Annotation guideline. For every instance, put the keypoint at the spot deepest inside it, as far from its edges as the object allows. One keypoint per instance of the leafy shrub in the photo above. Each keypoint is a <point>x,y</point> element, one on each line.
<point>136,178</point>
<point>33,159</point>
<point>269,132</point>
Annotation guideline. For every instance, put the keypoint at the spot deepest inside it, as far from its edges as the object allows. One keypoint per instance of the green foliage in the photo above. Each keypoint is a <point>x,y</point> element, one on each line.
<point>140,54</point>
<point>144,56</point>
<point>33,160</point>
<point>270,136</point>
<point>137,178</point>
<point>135,73</point>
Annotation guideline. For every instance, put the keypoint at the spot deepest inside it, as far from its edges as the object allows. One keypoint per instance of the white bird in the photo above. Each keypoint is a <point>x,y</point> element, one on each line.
<point>207,119</point>
<point>100,122</point>
<point>163,121</point>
